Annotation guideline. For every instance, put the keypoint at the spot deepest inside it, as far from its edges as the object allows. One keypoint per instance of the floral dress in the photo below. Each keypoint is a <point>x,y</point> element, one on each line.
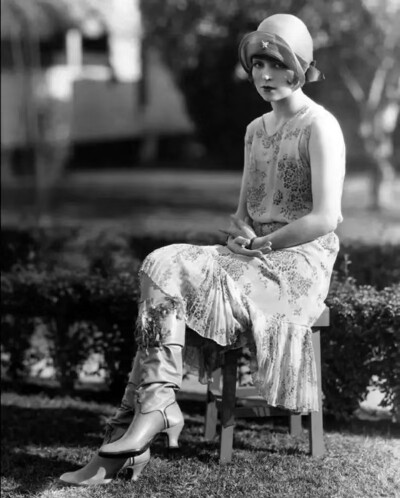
<point>268,303</point>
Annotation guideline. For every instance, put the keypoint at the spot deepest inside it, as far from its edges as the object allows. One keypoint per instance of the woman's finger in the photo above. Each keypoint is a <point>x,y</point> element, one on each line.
<point>251,253</point>
<point>266,247</point>
<point>234,246</point>
<point>237,249</point>
<point>241,241</point>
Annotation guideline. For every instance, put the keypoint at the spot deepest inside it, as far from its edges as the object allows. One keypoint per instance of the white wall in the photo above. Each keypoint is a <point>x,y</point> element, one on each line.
<point>102,109</point>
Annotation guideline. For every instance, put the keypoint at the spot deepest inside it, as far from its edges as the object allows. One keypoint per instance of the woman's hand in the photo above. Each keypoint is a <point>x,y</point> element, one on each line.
<point>239,245</point>
<point>241,234</point>
<point>243,228</point>
<point>262,244</point>
<point>239,228</point>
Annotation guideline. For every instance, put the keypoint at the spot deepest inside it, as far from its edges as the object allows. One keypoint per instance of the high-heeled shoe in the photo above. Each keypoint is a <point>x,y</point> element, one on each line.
<point>144,428</point>
<point>103,470</point>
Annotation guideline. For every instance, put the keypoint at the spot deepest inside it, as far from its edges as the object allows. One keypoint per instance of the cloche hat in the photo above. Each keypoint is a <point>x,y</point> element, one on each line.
<point>286,38</point>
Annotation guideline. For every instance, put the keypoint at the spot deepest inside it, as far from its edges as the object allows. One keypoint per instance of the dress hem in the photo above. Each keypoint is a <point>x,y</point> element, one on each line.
<point>282,366</point>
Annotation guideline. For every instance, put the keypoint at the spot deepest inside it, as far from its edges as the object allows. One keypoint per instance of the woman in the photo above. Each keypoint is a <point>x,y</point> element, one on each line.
<point>267,286</point>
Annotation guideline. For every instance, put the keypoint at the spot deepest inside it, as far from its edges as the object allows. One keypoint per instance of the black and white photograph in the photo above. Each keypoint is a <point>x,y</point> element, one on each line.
<point>200,251</point>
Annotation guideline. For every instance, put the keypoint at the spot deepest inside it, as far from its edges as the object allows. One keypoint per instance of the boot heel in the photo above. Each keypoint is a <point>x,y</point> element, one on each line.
<point>137,469</point>
<point>173,435</point>
<point>137,464</point>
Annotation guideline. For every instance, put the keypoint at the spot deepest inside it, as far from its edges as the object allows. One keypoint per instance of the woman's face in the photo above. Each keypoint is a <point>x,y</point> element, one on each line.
<point>272,79</point>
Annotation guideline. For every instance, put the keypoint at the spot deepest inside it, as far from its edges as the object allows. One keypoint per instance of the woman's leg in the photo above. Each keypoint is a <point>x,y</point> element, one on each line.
<point>126,410</point>
<point>161,338</point>
<point>101,470</point>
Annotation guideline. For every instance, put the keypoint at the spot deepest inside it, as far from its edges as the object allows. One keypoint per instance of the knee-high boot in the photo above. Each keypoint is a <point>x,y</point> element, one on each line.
<point>100,470</point>
<point>160,377</point>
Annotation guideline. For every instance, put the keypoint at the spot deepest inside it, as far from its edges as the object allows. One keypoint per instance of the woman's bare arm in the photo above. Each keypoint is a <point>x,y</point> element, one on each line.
<point>241,211</point>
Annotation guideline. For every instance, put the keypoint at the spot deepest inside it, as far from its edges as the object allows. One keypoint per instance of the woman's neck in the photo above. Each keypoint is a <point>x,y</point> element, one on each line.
<point>286,108</point>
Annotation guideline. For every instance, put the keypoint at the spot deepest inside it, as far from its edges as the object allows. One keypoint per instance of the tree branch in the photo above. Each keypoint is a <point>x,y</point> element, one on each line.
<point>378,83</point>
<point>352,84</point>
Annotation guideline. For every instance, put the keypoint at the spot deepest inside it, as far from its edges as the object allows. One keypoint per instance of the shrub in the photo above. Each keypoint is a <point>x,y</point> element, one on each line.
<point>83,313</point>
<point>373,264</point>
<point>17,247</point>
<point>16,334</point>
<point>33,246</point>
<point>362,343</point>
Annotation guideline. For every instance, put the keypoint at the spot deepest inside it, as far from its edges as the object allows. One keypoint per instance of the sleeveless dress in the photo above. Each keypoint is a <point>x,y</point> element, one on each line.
<point>268,303</point>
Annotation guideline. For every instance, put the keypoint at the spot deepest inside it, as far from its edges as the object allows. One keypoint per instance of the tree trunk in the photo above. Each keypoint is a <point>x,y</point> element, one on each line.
<point>41,192</point>
<point>382,178</point>
<point>376,129</point>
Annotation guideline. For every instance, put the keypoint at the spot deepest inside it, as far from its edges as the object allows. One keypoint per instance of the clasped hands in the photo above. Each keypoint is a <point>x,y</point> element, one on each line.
<point>240,236</point>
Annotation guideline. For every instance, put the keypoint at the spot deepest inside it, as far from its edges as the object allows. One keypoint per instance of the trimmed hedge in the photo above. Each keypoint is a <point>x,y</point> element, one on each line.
<point>374,264</point>
<point>362,343</point>
<point>82,291</point>
<point>83,313</point>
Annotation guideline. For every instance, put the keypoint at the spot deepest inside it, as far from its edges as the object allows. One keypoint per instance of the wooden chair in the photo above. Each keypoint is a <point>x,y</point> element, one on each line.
<point>252,405</point>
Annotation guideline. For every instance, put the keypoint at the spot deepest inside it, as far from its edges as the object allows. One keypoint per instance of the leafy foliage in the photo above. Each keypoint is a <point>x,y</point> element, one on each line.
<point>363,343</point>
<point>375,265</point>
<point>84,313</point>
<point>199,39</point>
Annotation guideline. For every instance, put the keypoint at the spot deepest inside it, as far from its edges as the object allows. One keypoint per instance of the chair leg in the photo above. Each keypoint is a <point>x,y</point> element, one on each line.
<point>211,417</point>
<point>295,425</point>
<point>228,406</point>
<point>316,423</point>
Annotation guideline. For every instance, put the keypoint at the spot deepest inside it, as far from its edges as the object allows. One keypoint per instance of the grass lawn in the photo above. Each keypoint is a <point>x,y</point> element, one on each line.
<point>44,435</point>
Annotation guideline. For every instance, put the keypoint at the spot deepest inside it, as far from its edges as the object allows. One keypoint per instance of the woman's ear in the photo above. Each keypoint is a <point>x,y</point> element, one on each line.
<point>292,79</point>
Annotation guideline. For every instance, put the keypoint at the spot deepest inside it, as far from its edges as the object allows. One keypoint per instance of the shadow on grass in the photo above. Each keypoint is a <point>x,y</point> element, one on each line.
<point>28,474</point>
<point>97,393</point>
<point>33,449</point>
<point>52,427</point>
